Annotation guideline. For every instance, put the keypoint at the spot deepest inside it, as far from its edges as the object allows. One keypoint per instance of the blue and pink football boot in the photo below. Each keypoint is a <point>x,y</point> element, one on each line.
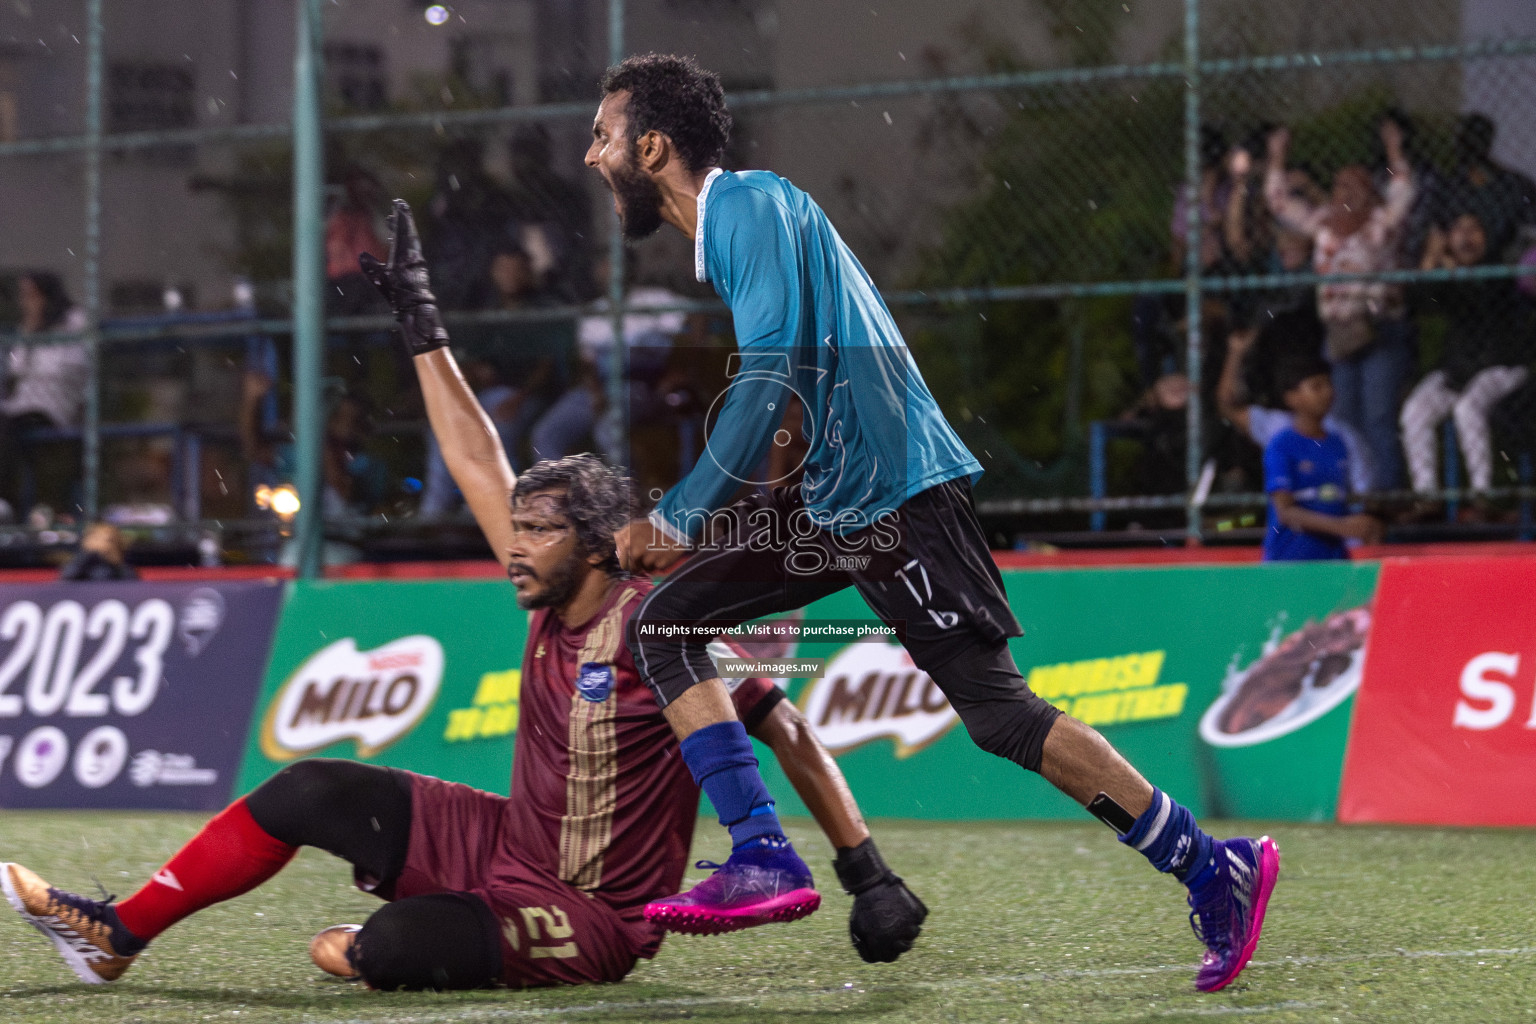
<point>762,881</point>
<point>1227,913</point>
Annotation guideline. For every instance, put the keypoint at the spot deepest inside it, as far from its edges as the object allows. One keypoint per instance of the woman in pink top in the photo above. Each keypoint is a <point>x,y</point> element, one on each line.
<point>1369,341</point>
<point>350,230</point>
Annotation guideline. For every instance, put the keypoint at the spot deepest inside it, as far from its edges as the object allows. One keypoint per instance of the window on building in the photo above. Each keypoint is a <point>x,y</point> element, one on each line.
<point>151,97</point>
<point>354,76</point>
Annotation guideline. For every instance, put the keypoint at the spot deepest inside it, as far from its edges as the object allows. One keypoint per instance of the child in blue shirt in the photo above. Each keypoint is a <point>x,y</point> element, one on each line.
<point>1306,474</point>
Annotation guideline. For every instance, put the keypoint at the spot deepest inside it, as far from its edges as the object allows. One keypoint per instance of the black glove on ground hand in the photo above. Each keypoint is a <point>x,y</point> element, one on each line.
<point>886,918</point>
<point>403,283</point>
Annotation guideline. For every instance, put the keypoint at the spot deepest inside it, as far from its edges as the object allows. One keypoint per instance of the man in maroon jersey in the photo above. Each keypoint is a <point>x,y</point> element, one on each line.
<point>547,886</point>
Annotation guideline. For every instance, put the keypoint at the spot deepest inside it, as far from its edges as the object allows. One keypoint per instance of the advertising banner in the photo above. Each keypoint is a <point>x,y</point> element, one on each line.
<point>1445,727</point>
<point>417,675</point>
<point>1229,686</point>
<point>128,695</point>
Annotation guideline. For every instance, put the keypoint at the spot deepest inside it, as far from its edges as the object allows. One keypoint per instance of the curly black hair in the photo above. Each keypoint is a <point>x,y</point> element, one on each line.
<point>1299,367</point>
<point>674,96</point>
<point>598,500</point>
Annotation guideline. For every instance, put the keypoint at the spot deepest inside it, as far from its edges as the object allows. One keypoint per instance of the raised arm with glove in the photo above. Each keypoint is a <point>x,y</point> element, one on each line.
<point>471,447</point>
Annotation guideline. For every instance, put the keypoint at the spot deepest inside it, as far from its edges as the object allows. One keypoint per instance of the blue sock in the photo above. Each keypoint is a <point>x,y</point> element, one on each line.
<point>1166,834</point>
<point>724,765</point>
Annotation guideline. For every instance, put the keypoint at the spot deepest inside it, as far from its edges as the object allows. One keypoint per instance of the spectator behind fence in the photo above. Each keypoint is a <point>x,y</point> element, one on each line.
<point>100,558</point>
<point>1487,346</point>
<point>1513,422</point>
<point>1155,327</point>
<point>354,481</point>
<point>1503,200</point>
<point>1306,474</point>
<point>1289,337</point>
<point>466,219</point>
<point>1428,187</point>
<point>1215,191</point>
<point>47,382</point>
<point>552,216</point>
<point>350,230</point>
<point>1247,225</point>
<point>1368,339</point>
<point>1160,420</point>
<point>648,339</point>
<point>503,404</point>
<point>1257,245</point>
<point>513,371</point>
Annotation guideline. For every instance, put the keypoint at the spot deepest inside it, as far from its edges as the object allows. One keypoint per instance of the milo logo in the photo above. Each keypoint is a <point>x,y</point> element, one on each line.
<point>371,697</point>
<point>871,690</point>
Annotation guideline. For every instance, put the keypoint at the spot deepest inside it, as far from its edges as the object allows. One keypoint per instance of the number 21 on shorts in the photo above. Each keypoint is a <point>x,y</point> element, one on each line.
<point>541,923</point>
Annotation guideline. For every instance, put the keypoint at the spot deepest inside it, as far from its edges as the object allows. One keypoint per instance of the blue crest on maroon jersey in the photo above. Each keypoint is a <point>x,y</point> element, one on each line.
<point>595,681</point>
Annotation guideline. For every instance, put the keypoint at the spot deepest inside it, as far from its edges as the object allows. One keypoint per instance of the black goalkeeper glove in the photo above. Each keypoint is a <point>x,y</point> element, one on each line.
<point>403,283</point>
<point>886,917</point>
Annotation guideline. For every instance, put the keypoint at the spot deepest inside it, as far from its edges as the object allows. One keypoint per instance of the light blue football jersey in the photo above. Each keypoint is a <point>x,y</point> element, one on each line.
<point>808,320</point>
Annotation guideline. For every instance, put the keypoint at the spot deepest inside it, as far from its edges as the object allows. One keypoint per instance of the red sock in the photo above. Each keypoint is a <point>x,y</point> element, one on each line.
<point>230,856</point>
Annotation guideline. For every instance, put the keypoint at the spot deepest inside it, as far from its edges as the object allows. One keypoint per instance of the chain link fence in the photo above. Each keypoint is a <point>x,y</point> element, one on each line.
<point>1043,191</point>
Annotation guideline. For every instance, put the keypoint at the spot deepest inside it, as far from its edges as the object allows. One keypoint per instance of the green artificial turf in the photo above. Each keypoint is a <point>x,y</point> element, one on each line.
<point>1030,922</point>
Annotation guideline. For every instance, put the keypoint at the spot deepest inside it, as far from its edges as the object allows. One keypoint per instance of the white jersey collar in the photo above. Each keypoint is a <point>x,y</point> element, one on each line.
<point>699,270</point>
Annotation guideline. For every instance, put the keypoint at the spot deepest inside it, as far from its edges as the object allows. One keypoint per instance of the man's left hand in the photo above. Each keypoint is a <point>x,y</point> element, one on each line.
<point>403,283</point>
<point>886,920</point>
<point>643,547</point>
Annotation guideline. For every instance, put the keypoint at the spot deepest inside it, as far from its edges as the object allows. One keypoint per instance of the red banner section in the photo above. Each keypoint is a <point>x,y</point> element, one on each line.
<point>1444,727</point>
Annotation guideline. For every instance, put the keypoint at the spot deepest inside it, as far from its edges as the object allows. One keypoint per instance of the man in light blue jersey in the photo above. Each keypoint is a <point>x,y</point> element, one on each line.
<point>884,506</point>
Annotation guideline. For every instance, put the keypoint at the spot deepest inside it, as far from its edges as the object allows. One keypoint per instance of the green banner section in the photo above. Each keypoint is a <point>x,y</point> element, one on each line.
<point>1229,687</point>
<point>417,675</point>
<point>1267,655</point>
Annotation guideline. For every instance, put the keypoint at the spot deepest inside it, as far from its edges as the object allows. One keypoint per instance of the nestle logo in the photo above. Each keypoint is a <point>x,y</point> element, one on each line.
<point>402,659</point>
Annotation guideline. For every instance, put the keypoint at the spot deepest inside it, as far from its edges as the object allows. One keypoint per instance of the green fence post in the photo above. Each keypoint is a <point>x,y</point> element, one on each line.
<point>1192,268</point>
<point>618,390</point>
<point>308,268</point>
<point>91,444</point>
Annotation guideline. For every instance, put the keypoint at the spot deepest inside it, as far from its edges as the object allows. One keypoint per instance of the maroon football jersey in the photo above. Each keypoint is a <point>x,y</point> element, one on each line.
<point>600,795</point>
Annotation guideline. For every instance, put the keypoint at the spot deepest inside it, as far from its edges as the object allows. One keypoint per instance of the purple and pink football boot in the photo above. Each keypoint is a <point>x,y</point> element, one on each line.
<point>762,881</point>
<point>1227,913</point>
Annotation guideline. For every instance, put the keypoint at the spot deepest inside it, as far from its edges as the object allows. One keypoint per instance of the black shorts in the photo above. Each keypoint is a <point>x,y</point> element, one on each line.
<point>925,570</point>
